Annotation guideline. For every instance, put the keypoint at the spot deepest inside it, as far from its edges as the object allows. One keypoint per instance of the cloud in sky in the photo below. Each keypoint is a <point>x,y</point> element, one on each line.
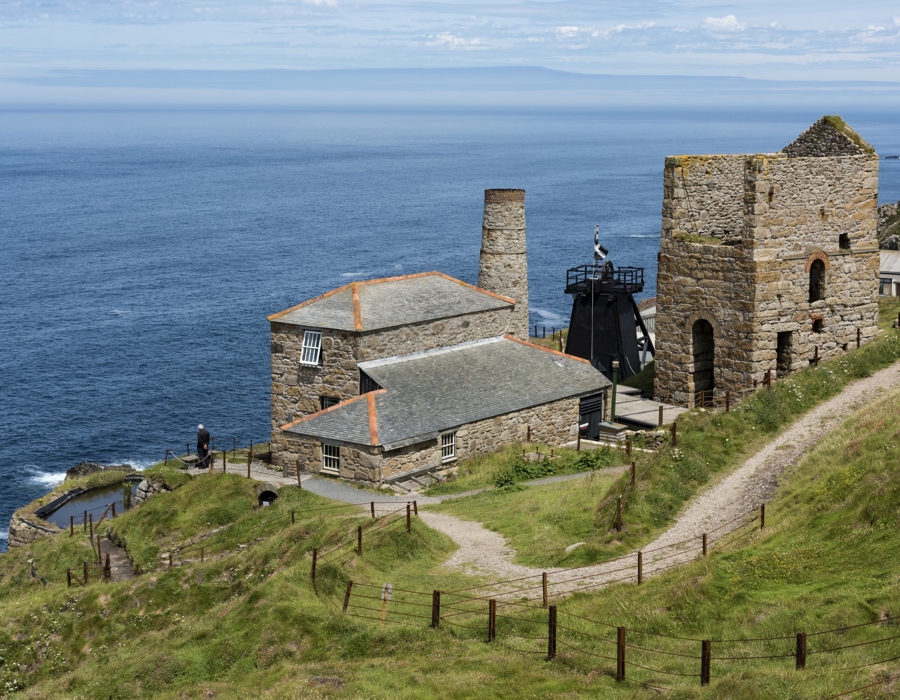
<point>728,23</point>
<point>828,39</point>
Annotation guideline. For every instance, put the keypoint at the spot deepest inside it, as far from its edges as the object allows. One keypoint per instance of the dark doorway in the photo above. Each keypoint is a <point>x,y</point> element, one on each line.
<point>784,354</point>
<point>590,416</point>
<point>816,281</point>
<point>267,498</point>
<point>704,351</point>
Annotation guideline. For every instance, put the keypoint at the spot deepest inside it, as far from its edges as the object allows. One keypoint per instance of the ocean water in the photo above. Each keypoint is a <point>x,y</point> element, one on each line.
<point>140,251</point>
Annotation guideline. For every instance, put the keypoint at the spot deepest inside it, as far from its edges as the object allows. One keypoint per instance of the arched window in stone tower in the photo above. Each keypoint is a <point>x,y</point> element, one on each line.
<point>816,281</point>
<point>704,350</point>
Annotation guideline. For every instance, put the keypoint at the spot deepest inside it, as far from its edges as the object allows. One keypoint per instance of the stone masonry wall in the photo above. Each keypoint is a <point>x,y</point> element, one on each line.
<point>296,388</point>
<point>552,423</point>
<point>795,211</point>
<point>703,195</point>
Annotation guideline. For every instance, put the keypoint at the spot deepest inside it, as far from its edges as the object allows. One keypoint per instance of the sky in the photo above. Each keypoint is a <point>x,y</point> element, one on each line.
<point>826,40</point>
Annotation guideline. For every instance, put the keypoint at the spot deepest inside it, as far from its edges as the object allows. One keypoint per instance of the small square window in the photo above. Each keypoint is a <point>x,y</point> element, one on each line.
<point>328,401</point>
<point>448,447</point>
<point>312,345</point>
<point>331,458</point>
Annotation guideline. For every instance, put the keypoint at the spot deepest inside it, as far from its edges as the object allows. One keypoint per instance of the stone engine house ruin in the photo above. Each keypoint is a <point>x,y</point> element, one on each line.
<point>767,262</point>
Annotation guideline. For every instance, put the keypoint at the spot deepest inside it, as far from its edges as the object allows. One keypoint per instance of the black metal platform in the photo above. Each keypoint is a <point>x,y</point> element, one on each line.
<point>599,279</point>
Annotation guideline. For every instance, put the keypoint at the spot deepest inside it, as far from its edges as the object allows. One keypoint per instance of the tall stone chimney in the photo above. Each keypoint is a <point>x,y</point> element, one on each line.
<point>503,267</point>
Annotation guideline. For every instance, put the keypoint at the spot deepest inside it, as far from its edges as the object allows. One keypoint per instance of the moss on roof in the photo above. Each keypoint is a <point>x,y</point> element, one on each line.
<point>838,124</point>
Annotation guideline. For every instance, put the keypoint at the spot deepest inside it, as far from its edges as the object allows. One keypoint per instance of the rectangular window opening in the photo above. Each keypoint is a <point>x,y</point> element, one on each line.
<point>448,447</point>
<point>331,458</point>
<point>312,346</point>
<point>328,401</point>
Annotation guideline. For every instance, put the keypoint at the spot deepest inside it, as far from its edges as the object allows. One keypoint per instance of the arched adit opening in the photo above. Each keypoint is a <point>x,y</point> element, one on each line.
<point>816,281</point>
<point>267,498</point>
<point>704,350</point>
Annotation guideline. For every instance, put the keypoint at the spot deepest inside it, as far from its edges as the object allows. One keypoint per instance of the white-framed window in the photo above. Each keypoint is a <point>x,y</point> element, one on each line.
<point>328,401</point>
<point>448,447</point>
<point>312,346</point>
<point>331,458</point>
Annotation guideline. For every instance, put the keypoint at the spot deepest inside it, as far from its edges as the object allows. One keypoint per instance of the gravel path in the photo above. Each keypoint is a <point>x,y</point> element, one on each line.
<point>485,553</point>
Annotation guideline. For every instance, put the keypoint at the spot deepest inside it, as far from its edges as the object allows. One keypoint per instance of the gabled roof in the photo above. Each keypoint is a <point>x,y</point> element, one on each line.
<point>430,392</point>
<point>830,136</point>
<point>390,302</point>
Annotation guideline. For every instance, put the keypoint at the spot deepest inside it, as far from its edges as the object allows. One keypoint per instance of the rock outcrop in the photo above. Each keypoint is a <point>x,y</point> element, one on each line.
<point>86,468</point>
<point>888,225</point>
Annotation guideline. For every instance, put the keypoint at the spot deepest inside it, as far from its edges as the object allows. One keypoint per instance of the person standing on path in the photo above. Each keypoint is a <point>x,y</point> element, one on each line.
<point>203,446</point>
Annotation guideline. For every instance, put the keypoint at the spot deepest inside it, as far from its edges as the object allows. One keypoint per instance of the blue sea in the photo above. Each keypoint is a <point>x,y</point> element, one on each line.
<point>140,251</point>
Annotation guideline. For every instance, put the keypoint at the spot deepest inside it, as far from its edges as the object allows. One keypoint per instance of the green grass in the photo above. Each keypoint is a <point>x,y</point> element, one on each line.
<point>507,466</point>
<point>539,522</point>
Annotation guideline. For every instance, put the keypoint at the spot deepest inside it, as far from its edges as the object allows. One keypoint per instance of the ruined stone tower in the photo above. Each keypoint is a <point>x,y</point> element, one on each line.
<point>767,261</point>
<point>503,266</point>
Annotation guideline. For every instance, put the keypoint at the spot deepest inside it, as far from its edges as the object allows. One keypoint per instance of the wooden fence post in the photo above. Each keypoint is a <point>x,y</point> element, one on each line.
<point>170,560</point>
<point>640,568</point>
<point>704,544</point>
<point>85,573</point>
<point>705,661</point>
<point>359,540</point>
<point>84,523</point>
<point>99,553</point>
<point>435,609</point>
<point>620,653</point>
<point>224,465</point>
<point>768,379</point>
<point>619,514</point>
<point>71,526</point>
<point>551,633</point>
<point>702,398</point>
<point>816,356</point>
<point>801,650</point>
<point>68,578</point>
<point>299,482</point>
<point>660,422</point>
<point>858,338</point>
<point>578,439</point>
<point>372,505</point>
<point>674,433</point>
<point>91,524</point>
<point>408,522</point>
<point>312,572</point>
<point>762,515</point>
<point>347,597</point>
<point>107,569</point>
<point>293,517</point>
<point>727,402</point>
<point>249,458</point>
<point>416,508</point>
<point>114,509</point>
<point>528,434</point>
<point>633,470</point>
<point>544,587</point>
<point>628,447</point>
<point>492,620</point>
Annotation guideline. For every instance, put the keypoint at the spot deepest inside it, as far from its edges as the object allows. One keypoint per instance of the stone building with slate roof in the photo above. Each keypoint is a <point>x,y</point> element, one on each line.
<point>766,262</point>
<point>388,377</point>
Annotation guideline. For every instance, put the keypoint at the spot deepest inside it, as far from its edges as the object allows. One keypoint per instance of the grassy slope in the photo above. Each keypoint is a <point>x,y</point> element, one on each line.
<point>249,625</point>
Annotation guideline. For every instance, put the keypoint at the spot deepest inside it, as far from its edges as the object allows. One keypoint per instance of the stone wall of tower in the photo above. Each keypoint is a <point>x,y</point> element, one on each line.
<point>753,283</point>
<point>503,265</point>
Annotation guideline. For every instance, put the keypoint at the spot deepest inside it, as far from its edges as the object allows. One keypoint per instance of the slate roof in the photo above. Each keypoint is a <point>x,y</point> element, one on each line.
<point>430,392</point>
<point>391,302</point>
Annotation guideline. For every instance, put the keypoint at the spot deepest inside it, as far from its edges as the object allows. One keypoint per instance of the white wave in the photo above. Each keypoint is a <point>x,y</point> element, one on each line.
<point>120,312</point>
<point>139,464</point>
<point>45,479</point>
<point>4,534</point>
<point>353,274</point>
<point>643,235</point>
<point>548,316</point>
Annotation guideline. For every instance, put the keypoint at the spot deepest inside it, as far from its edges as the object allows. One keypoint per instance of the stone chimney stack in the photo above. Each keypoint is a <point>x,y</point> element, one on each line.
<point>503,267</point>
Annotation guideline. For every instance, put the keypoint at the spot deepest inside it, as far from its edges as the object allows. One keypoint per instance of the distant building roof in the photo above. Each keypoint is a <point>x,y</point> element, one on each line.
<point>429,392</point>
<point>890,262</point>
<point>391,302</point>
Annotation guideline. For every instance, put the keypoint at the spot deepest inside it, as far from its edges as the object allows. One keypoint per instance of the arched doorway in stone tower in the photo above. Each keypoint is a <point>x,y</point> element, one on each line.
<point>703,350</point>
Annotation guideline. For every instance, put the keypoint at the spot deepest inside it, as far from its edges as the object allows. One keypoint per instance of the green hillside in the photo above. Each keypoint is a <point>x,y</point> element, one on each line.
<point>248,622</point>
